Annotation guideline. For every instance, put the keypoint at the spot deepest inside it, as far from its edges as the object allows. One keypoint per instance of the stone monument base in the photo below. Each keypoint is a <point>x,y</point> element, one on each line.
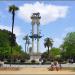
<point>35,56</point>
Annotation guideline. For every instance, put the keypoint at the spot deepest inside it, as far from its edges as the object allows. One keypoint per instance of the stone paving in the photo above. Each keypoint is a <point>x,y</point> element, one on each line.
<point>63,65</point>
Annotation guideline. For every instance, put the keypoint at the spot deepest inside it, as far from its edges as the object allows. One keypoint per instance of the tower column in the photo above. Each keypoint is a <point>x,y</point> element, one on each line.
<point>38,38</point>
<point>35,20</point>
<point>32,38</point>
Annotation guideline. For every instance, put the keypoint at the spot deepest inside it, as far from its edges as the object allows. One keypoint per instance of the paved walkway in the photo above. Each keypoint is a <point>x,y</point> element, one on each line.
<point>36,71</point>
<point>63,65</point>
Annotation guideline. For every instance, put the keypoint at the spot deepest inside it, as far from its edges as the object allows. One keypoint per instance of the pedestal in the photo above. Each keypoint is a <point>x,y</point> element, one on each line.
<point>35,56</point>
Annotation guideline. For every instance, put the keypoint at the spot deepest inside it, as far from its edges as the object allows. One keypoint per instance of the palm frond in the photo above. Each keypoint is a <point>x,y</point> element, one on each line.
<point>48,42</point>
<point>13,8</point>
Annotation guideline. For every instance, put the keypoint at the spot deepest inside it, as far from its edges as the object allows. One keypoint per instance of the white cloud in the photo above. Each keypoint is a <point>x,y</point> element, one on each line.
<point>17,30</point>
<point>48,12</point>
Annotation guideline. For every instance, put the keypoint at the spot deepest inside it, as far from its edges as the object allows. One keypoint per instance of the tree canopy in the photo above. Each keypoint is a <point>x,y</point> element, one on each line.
<point>5,46</point>
<point>69,45</point>
<point>48,43</point>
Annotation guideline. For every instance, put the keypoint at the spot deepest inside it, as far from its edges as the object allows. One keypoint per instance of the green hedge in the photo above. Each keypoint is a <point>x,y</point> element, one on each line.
<point>22,63</point>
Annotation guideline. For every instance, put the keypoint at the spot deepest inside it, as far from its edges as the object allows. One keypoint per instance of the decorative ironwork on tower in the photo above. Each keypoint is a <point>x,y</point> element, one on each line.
<point>35,21</point>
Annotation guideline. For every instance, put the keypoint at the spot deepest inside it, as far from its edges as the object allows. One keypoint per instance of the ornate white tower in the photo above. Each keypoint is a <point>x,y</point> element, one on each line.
<point>35,21</point>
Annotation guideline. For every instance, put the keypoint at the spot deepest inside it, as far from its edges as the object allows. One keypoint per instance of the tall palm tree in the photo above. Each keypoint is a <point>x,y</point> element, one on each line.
<point>27,42</point>
<point>48,43</point>
<point>12,9</point>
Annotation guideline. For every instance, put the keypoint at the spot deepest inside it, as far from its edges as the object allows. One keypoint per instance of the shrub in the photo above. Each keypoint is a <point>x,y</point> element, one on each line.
<point>33,61</point>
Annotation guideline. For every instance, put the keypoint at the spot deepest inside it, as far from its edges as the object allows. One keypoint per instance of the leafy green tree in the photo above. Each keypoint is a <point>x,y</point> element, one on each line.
<point>24,57</point>
<point>69,45</point>
<point>16,52</point>
<point>55,53</point>
<point>5,47</point>
<point>4,43</point>
<point>45,56</point>
<point>48,43</point>
<point>12,9</point>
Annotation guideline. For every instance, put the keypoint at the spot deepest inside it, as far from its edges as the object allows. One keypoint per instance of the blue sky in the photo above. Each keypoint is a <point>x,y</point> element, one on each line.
<point>57,19</point>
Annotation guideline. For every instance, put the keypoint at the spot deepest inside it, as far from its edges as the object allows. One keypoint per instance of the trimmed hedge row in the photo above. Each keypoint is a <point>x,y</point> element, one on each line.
<point>22,63</point>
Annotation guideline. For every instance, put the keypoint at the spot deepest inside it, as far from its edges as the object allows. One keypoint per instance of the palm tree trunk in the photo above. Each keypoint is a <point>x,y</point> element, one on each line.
<point>25,47</point>
<point>11,56</point>
<point>13,15</point>
<point>51,46</point>
<point>48,51</point>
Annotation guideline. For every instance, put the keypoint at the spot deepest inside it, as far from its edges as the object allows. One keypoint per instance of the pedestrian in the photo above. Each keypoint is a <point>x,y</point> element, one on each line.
<point>56,64</point>
<point>52,66</point>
